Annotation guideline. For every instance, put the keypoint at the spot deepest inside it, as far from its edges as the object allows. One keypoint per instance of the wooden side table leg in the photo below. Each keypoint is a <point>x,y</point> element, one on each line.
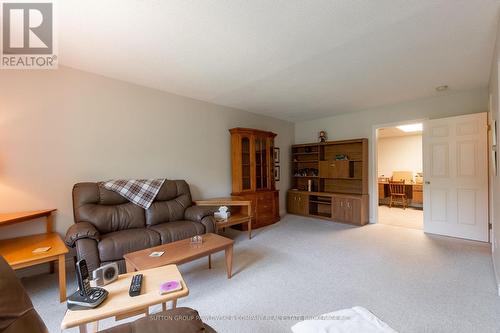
<point>128,267</point>
<point>229,260</point>
<point>250,229</point>
<point>164,306</point>
<point>62,278</point>
<point>83,328</point>
<point>94,327</point>
<point>174,303</point>
<point>50,222</point>
<point>209,261</point>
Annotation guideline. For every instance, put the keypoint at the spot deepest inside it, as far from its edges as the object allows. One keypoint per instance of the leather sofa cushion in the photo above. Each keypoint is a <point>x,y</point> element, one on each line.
<point>170,203</point>
<point>106,210</point>
<point>85,193</point>
<point>115,244</point>
<point>113,218</point>
<point>177,230</point>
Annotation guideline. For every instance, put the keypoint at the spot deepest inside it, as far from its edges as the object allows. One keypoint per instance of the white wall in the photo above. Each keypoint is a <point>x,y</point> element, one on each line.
<point>65,126</point>
<point>494,179</point>
<point>400,153</point>
<point>361,124</point>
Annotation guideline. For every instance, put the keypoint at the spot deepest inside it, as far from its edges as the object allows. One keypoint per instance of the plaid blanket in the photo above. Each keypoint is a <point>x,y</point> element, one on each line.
<point>142,192</point>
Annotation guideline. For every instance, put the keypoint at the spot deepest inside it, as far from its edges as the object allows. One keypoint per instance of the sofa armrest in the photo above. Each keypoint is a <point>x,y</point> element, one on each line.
<point>209,223</point>
<point>197,213</point>
<point>86,248</point>
<point>81,230</point>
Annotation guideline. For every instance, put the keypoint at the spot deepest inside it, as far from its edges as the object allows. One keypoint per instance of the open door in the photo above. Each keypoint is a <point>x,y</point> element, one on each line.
<point>456,177</point>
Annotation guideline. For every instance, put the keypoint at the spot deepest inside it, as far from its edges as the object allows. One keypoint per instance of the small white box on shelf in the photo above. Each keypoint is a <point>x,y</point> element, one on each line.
<point>222,214</point>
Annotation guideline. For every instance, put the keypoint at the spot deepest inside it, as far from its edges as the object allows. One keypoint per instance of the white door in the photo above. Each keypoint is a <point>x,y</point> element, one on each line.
<point>456,177</point>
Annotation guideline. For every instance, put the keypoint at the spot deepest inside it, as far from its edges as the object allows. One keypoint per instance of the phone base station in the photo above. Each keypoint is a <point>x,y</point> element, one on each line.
<point>80,302</point>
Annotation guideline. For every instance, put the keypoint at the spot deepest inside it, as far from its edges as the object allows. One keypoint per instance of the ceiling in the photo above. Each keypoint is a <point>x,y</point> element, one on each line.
<point>391,132</point>
<point>291,59</point>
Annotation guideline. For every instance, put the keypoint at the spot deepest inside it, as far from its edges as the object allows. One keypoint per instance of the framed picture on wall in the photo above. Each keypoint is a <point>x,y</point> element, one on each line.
<point>277,173</point>
<point>276,155</point>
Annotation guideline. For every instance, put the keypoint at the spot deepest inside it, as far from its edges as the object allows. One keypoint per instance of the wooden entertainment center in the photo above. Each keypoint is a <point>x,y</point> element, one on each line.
<point>330,181</point>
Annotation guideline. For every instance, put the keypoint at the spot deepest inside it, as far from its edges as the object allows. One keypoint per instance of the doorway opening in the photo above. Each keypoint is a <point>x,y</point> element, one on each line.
<point>399,173</point>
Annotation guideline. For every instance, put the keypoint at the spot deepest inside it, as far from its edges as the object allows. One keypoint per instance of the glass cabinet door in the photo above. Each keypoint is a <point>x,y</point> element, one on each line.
<point>258,163</point>
<point>265,161</point>
<point>261,163</point>
<point>271,162</point>
<point>245,164</point>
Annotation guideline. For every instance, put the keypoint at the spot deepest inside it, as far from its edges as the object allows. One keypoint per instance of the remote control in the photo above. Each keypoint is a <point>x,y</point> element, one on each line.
<point>135,285</point>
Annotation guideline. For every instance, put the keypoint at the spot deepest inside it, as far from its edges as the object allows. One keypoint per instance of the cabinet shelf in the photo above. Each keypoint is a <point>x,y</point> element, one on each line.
<point>306,176</point>
<point>345,178</point>
<point>341,160</point>
<point>321,214</point>
<point>320,202</point>
<point>311,153</point>
<point>312,161</point>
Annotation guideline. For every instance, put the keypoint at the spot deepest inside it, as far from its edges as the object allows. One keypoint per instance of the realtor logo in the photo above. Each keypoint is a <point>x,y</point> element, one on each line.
<point>28,35</point>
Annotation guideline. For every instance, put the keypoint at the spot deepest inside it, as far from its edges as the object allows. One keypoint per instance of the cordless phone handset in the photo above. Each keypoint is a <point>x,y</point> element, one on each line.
<point>83,278</point>
<point>85,297</point>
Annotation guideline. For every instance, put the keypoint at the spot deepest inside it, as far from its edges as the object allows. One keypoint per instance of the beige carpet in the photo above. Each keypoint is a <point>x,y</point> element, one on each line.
<point>396,216</point>
<point>302,266</point>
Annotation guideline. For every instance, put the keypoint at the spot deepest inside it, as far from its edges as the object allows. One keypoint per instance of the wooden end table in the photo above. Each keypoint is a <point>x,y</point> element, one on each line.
<point>120,305</point>
<point>18,252</point>
<point>180,252</point>
<point>244,215</point>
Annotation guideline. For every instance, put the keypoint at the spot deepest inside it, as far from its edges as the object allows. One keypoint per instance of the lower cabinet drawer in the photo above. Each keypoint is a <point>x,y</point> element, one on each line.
<point>265,216</point>
<point>264,197</point>
<point>264,206</point>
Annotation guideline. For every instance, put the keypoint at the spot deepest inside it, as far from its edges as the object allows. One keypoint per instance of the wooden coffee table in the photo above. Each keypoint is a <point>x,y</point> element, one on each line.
<point>120,305</point>
<point>180,252</point>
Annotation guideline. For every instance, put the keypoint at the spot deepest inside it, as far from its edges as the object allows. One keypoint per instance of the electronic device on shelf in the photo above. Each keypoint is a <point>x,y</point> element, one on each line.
<point>86,297</point>
<point>105,274</point>
<point>135,285</point>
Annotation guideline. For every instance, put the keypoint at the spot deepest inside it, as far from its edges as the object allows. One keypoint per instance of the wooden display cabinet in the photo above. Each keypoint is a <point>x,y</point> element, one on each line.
<point>253,173</point>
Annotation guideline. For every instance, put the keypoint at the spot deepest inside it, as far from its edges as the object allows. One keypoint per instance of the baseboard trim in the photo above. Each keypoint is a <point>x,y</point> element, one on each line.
<point>497,277</point>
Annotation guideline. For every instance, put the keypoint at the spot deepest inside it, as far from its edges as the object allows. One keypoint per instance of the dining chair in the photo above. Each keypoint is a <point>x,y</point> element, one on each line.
<point>398,193</point>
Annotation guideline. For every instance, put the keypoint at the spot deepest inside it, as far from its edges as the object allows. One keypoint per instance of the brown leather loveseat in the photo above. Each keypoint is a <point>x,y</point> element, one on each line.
<point>107,226</point>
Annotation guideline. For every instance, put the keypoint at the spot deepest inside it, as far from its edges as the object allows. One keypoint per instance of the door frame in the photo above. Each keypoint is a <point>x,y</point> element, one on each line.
<point>373,167</point>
